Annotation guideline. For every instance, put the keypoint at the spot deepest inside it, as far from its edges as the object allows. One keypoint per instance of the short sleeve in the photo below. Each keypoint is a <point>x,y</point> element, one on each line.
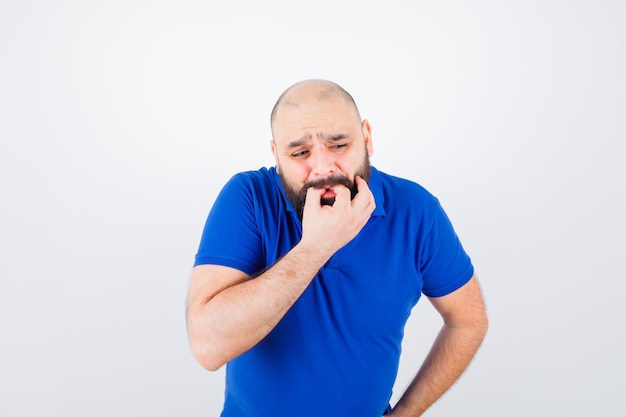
<point>445,266</point>
<point>231,236</point>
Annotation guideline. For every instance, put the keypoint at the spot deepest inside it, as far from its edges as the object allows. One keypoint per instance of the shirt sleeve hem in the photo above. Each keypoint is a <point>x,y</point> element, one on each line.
<point>452,286</point>
<point>232,263</point>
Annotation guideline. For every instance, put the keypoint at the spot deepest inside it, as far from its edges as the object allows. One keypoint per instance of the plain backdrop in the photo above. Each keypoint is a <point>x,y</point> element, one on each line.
<point>121,120</point>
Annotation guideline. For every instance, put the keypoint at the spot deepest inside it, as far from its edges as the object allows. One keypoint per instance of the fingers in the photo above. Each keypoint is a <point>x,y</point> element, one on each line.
<point>314,194</point>
<point>334,226</point>
<point>364,198</point>
<point>361,185</point>
<point>342,194</point>
<point>313,201</point>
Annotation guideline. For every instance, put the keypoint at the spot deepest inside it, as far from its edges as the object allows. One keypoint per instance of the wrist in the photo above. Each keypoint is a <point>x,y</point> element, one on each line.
<point>313,252</point>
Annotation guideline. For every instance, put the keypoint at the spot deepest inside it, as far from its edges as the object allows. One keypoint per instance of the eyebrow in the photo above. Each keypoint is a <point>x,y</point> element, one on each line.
<point>299,142</point>
<point>335,138</point>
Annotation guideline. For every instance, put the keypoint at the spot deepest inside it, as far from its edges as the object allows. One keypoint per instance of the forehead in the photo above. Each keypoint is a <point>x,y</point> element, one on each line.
<point>314,115</point>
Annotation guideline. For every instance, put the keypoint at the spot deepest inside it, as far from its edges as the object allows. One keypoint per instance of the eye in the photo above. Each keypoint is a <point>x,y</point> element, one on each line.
<point>338,146</point>
<point>300,154</point>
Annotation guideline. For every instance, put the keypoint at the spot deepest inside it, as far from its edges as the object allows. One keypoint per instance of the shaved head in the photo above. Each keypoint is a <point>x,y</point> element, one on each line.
<point>309,91</point>
<point>319,141</point>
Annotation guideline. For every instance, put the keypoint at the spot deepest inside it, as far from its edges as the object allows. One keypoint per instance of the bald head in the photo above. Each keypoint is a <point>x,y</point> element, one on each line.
<point>311,91</point>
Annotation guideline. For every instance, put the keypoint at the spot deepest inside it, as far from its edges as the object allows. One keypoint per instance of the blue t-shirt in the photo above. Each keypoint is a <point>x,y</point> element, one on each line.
<point>336,351</point>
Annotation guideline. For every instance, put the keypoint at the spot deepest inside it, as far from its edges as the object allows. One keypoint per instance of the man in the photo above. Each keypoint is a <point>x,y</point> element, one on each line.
<point>307,273</point>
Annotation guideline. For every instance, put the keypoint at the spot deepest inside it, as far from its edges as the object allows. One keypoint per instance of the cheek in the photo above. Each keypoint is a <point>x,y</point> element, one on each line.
<point>350,166</point>
<point>295,173</point>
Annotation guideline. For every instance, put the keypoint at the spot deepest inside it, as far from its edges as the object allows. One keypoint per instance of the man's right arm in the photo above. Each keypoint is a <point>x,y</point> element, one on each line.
<point>228,312</point>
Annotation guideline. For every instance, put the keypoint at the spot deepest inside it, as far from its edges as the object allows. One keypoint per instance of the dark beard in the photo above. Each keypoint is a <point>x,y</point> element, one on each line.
<point>297,197</point>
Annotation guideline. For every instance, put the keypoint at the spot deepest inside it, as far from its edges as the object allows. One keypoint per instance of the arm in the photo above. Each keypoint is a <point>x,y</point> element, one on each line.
<point>464,328</point>
<point>228,312</point>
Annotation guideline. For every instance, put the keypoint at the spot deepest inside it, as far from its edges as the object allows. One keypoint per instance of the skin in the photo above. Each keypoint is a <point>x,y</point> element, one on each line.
<point>317,137</point>
<point>318,133</point>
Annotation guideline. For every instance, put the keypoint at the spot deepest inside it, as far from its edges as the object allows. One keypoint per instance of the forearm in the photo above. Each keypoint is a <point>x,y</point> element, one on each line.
<point>229,313</point>
<point>450,355</point>
<point>238,317</point>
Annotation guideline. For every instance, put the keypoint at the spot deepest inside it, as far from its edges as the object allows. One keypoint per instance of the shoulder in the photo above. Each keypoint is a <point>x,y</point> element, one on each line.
<point>244,190</point>
<point>257,183</point>
<point>262,177</point>
<point>259,192</point>
<point>402,191</point>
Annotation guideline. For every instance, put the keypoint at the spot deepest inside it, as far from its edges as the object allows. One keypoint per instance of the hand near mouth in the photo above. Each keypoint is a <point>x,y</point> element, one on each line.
<point>336,218</point>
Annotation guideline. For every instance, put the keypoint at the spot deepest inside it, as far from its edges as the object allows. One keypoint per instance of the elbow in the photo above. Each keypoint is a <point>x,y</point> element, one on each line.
<point>210,364</point>
<point>207,357</point>
<point>203,347</point>
<point>482,325</point>
<point>485,327</point>
<point>206,353</point>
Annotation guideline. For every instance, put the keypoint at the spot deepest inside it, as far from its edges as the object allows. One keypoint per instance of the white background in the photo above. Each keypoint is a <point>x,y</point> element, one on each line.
<point>121,120</point>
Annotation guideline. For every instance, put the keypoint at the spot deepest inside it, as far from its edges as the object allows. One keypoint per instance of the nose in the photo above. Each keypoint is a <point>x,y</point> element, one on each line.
<point>322,162</point>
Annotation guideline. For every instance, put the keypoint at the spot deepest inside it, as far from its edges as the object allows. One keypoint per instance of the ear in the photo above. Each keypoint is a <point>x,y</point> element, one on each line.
<point>367,136</point>
<point>275,153</point>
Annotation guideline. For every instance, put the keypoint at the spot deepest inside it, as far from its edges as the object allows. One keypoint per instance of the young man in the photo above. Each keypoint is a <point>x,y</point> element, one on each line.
<point>307,273</point>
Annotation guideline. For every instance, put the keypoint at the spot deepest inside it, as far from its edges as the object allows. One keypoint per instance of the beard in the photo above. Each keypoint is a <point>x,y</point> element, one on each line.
<point>297,196</point>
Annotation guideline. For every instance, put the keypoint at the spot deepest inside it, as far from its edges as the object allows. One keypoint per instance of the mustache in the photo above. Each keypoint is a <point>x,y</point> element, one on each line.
<point>327,182</point>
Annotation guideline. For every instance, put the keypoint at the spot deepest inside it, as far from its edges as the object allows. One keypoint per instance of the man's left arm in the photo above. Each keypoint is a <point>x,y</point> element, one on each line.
<point>464,328</point>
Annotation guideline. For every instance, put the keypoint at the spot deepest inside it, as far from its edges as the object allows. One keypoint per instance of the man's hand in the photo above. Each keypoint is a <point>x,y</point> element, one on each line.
<point>228,313</point>
<point>329,228</point>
